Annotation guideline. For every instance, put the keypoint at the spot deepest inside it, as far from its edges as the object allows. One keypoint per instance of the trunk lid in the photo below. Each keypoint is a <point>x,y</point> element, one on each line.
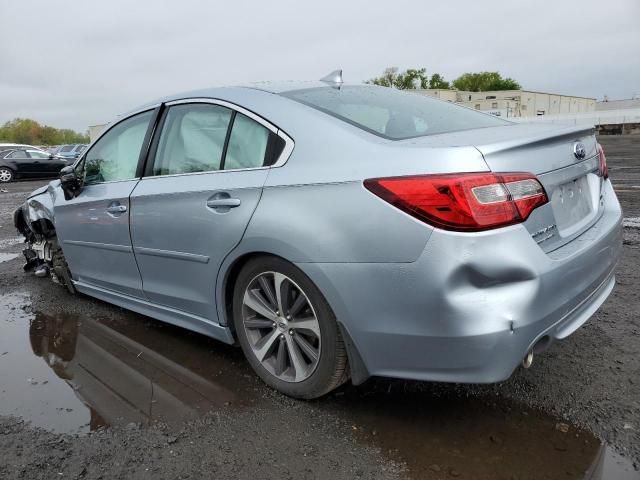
<point>571,181</point>
<point>572,184</point>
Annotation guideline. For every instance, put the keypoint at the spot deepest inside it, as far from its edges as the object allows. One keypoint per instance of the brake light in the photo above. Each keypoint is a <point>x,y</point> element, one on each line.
<point>467,202</point>
<point>603,170</point>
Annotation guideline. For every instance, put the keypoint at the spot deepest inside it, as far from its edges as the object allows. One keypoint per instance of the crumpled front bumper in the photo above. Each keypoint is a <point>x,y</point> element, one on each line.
<point>472,306</point>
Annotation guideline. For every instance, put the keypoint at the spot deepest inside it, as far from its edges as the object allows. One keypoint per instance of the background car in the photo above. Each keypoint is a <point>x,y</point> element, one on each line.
<point>71,151</point>
<point>18,163</point>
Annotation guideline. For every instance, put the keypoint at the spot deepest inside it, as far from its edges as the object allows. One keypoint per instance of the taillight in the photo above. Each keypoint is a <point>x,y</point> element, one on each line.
<point>603,170</point>
<point>467,202</point>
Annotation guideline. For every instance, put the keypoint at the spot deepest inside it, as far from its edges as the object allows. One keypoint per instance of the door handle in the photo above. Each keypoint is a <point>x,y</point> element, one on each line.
<point>223,202</point>
<point>116,209</point>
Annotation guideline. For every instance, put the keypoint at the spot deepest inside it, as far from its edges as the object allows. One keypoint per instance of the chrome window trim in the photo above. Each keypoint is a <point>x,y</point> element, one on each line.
<point>282,159</point>
<point>286,151</point>
<point>208,172</point>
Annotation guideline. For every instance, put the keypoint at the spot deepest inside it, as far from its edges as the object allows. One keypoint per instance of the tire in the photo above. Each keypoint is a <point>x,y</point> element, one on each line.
<point>6,175</point>
<point>61,270</point>
<point>300,358</point>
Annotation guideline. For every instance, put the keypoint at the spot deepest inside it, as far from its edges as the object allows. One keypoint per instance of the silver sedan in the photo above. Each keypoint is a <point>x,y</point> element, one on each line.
<point>338,231</point>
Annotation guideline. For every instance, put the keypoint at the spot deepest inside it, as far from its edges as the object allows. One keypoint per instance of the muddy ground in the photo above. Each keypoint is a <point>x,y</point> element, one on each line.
<point>88,390</point>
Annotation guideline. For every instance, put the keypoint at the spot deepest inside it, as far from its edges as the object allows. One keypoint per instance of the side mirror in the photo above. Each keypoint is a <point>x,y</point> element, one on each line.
<point>51,156</point>
<point>70,183</point>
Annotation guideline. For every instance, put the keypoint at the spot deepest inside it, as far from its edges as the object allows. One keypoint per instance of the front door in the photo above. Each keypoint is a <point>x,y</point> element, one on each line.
<point>204,183</point>
<point>44,165</point>
<point>93,228</point>
<point>23,164</point>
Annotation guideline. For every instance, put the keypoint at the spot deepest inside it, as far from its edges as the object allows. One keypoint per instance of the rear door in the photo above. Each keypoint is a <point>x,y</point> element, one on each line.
<point>203,181</point>
<point>94,226</point>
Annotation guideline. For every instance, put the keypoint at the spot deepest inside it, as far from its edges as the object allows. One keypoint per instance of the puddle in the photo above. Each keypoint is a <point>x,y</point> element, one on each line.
<point>444,436</point>
<point>68,373</point>
<point>5,257</point>
<point>73,373</point>
<point>9,242</point>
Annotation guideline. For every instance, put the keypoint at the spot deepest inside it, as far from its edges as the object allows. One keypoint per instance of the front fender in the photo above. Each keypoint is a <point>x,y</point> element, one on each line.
<point>38,210</point>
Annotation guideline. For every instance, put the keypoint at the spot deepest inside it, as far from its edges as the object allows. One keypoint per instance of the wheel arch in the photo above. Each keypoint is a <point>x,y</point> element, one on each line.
<point>228,275</point>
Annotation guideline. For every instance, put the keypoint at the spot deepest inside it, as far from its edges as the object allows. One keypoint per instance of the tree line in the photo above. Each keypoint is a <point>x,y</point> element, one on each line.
<point>30,132</point>
<point>414,78</point>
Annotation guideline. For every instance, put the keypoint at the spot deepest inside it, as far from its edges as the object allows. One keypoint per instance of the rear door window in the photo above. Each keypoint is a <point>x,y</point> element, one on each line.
<point>247,144</point>
<point>203,137</point>
<point>192,139</point>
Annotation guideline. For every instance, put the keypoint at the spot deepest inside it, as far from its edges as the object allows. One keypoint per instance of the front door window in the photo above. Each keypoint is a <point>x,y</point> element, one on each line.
<point>115,156</point>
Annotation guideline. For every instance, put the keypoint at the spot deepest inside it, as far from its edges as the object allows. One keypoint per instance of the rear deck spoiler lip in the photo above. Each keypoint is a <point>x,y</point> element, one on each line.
<point>554,135</point>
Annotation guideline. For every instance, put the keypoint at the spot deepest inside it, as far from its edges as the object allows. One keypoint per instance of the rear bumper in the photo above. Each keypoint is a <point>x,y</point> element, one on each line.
<point>472,305</point>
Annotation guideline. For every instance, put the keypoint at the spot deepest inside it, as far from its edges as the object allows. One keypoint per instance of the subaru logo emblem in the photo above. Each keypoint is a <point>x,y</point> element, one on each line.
<point>579,151</point>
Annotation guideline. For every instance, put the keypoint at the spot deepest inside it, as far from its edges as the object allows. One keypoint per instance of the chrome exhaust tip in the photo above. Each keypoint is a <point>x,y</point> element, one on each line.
<point>527,360</point>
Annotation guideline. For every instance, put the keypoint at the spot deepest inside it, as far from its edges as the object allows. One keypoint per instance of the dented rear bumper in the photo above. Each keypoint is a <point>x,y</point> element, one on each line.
<point>472,306</point>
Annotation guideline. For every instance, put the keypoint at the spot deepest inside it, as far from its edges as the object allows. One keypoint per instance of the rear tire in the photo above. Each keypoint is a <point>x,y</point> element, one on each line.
<point>291,340</point>
<point>6,175</point>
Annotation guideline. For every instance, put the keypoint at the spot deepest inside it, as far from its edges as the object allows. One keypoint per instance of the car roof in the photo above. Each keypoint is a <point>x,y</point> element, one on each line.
<point>287,86</point>
<point>223,93</point>
<point>5,146</point>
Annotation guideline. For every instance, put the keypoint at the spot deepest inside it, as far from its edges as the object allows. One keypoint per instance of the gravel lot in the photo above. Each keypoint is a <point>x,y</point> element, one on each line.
<point>88,390</point>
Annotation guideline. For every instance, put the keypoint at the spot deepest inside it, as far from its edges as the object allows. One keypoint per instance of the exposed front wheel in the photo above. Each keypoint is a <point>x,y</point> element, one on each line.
<point>287,330</point>
<point>6,175</point>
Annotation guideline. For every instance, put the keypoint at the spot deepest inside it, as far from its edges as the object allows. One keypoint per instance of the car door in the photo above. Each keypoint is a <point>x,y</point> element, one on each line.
<point>44,165</point>
<point>22,163</point>
<point>201,187</point>
<point>93,228</point>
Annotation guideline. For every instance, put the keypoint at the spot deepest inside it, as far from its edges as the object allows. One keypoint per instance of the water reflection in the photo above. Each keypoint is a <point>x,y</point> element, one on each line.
<point>135,374</point>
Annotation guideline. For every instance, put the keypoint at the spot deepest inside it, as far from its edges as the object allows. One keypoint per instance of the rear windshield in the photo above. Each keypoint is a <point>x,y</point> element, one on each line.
<point>67,148</point>
<point>392,114</point>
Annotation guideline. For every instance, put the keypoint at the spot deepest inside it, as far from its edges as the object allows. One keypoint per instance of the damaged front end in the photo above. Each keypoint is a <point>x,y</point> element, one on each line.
<point>43,254</point>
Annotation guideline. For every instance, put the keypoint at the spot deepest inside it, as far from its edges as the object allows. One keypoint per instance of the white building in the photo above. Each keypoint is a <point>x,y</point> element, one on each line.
<point>515,103</point>
<point>95,131</point>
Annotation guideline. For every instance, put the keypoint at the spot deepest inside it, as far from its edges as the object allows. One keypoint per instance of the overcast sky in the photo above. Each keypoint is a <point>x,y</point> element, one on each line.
<point>76,63</point>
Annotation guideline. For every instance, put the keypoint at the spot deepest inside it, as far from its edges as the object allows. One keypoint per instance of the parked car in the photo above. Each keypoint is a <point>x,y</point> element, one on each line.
<point>70,151</point>
<point>28,163</point>
<point>338,231</point>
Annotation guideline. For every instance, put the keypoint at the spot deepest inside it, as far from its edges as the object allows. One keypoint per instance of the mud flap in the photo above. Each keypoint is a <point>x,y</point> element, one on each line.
<point>359,373</point>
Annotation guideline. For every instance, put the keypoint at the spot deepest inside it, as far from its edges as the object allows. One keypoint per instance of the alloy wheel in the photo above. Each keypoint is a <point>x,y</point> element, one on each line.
<point>281,326</point>
<point>5,175</point>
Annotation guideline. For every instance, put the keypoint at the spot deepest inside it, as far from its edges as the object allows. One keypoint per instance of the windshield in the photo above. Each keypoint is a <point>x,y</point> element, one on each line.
<point>392,114</point>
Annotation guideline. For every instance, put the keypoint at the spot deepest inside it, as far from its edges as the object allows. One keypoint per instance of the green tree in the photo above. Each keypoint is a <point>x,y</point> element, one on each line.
<point>411,78</point>
<point>484,81</point>
<point>387,79</point>
<point>438,81</point>
<point>25,130</point>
